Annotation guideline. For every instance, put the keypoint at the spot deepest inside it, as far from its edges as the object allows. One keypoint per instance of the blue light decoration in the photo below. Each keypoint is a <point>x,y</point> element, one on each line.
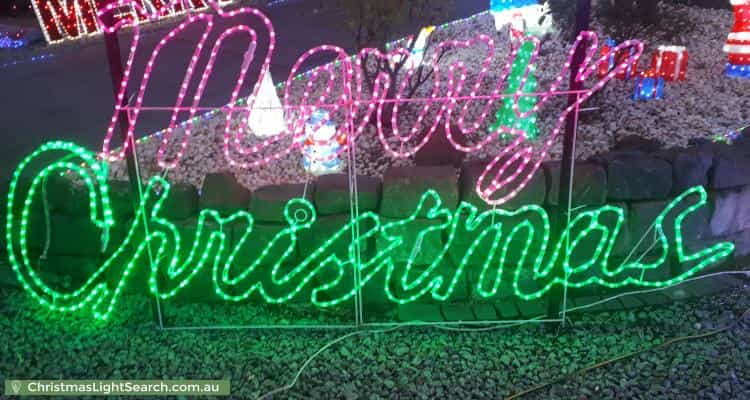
<point>8,42</point>
<point>730,136</point>
<point>502,5</point>
<point>738,71</point>
<point>648,86</point>
<point>30,60</point>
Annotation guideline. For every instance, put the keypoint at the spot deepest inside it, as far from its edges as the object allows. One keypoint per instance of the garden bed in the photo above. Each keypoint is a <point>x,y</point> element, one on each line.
<point>408,362</point>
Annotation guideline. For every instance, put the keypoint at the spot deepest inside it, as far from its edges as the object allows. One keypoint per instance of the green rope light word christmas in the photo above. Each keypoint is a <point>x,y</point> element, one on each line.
<point>519,241</point>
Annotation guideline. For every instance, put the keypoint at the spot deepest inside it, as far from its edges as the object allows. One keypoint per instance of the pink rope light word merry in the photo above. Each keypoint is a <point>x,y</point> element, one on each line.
<point>524,153</point>
<point>344,97</point>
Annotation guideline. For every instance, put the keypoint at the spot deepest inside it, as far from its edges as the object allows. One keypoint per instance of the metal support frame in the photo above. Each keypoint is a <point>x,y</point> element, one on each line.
<point>583,14</point>
<point>114,59</point>
<point>565,195</point>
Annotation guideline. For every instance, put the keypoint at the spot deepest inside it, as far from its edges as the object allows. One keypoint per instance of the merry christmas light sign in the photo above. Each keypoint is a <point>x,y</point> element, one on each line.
<point>333,110</point>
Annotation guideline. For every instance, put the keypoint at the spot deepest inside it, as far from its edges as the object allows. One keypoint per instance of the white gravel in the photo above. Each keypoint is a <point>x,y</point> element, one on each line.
<point>705,104</point>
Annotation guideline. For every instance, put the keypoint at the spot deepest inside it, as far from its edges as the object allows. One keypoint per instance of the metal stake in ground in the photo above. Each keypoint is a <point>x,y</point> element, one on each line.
<point>583,13</point>
<point>114,60</point>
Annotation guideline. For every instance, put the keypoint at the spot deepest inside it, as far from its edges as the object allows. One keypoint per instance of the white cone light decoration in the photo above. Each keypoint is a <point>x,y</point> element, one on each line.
<point>267,116</point>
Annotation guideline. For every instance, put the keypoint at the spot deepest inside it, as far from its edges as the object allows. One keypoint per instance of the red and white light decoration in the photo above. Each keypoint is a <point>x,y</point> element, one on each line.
<point>738,41</point>
<point>517,29</point>
<point>613,55</point>
<point>670,62</point>
<point>74,19</point>
<point>338,88</point>
<point>608,58</point>
<point>631,70</point>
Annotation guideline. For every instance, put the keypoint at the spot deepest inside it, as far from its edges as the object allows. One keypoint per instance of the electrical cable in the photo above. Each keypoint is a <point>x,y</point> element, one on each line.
<point>628,355</point>
<point>47,219</point>
<point>361,332</point>
<point>496,326</point>
<point>318,352</point>
<point>141,206</point>
<point>605,300</point>
<point>354,215</point>
<point>48,229</point>
<point>509,325</point>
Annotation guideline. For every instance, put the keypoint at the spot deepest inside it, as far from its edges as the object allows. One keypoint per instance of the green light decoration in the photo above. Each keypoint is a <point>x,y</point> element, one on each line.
<point>516,240</point>
<point>518,84</point>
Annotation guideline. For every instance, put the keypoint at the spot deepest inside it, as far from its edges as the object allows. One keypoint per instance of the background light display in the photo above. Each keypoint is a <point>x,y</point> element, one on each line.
<point>12,40</point>
<point>608,62</point>
<point>670,62</point>
<point>649,86</point>
<point>631,70</point>
<point>74,19</point>
<point>504,11</point>
<point>738,41</point>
